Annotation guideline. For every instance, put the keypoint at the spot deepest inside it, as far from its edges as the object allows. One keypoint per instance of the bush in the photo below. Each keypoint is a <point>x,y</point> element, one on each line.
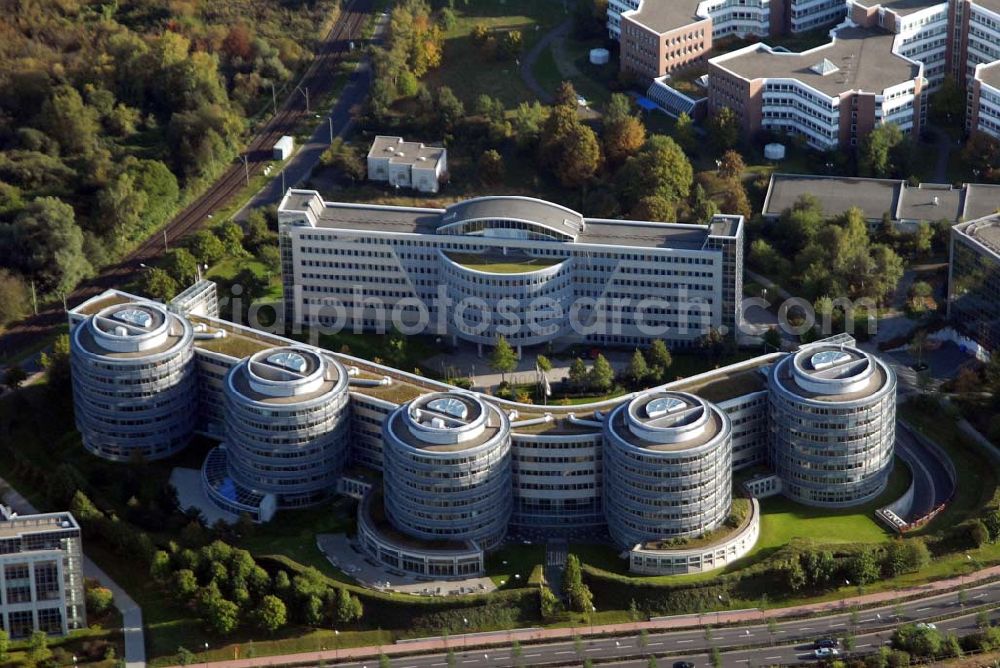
<point>99,600</point>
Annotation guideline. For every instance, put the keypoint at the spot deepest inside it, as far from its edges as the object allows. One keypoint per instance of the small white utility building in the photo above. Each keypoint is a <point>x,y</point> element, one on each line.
<point>407,164</point>
<point>284,147</point>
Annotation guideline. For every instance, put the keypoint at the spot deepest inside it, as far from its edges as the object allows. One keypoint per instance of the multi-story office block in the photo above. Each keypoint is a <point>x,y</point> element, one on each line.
<point>667,468</point>
<point>461,469</point>
<point>659,37</point>
<point>41,574</point>
<point>974,280</point>
<point>920,29</point>
<point>878,68</point>
<point>532,271</point>
<point>557,474</point>
<point>615,10</point>
<point>286,424</point>
<point>447,469</point>
<point>984,105</point>
<point>979,28</point>
<point>833,425</point>
<point>832,95</point>
<point>134,384</point>
<point>805,15</point>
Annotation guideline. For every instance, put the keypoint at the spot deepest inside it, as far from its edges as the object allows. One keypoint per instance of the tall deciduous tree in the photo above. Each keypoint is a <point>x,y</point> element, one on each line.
<point>724,129</point>
<point>684,133</point>
<point>15,297</point>
<point>623,138</point>
<point>876,155</point>
<point>46,245</point>
<point>602,376</point>
<point>731,165</point>
<point>158,284</point>
<point>503,359</point>
<point>660,169</point>
<point>655,208</point>
<point>270,614</point>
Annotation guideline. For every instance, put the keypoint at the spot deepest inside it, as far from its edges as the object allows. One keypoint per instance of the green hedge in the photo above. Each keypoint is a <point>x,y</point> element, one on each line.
<point>745,587</point>
<point>423,615</point>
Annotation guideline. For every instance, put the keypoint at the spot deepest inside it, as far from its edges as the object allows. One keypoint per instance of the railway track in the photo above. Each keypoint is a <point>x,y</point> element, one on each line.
<point>318,78</point>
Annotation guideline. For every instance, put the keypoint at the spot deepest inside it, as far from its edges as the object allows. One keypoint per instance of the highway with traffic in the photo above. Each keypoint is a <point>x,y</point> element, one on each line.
<point>743,638</point>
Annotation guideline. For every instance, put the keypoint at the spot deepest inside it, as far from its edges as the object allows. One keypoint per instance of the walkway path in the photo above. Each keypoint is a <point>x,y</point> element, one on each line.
<point>135,643</point>
<point>530,58</point>
<point>942,145</point>
<point>502,639</point>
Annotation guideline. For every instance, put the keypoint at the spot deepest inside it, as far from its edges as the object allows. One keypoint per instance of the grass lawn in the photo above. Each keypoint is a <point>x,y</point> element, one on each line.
<point>293,534</point>
<point>494,264</point>
<point>227,269</point>
<point>38,343</point>
<point>569,59</point>
<point>781,522</point>
<point>468,72</point>
<point>371,346</point>
<point>512,560</point>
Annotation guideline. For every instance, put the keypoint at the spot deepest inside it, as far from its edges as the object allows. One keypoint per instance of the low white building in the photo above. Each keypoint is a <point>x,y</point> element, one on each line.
<point>284,148</point>
<point>407,164</point>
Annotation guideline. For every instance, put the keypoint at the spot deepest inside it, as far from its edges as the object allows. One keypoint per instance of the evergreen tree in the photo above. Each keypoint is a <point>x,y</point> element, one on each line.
<point>578,378</point>
<point>503,359</point>
<point>602,376</point>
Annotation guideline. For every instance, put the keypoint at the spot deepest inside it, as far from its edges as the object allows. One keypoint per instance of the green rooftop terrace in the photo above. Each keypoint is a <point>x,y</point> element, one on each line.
<point>495,263</point>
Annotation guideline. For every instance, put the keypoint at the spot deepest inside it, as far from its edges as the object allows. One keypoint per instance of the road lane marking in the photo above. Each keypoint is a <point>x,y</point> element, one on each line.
<point>771,658</point>
<point>924,608</point>
<point>566,651</point>
<point>683,641</point>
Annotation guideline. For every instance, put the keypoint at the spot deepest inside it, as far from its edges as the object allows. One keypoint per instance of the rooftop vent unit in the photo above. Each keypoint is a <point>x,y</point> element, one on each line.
<point>824,67</point>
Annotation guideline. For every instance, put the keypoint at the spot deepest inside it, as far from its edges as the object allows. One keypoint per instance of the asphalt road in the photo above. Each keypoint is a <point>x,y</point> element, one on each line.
<point>790,642</point>
<point>336,123</point>
<point>933,485</point>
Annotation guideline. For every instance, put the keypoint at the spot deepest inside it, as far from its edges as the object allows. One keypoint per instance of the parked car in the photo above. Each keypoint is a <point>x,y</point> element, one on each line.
<point>829,643</point>
<point>825,653</point>
<point>683,664</point>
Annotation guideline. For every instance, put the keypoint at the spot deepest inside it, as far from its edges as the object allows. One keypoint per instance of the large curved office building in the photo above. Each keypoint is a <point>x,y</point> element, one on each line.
<point>532,271</point>
<point>667,468</point>
<point>134,383</point>
<point>833,417</point>
<point>447,469</point>
<point>286,424</point>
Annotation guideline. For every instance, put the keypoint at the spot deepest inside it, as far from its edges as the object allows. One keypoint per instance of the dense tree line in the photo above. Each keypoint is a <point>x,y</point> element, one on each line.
<point>829,257</point>
<point>114,111</point>
<point>228,588</point>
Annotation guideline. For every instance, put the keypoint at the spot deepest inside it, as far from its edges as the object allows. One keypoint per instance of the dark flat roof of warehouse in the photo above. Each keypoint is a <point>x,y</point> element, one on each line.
<point>874,197</point>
